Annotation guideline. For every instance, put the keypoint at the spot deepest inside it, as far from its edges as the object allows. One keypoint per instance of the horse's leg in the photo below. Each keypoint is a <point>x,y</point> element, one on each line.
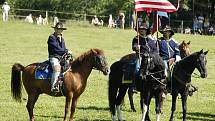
<point>147,118</point>
<point>67,105</point>
<point>184,105</point>
<point>120,97</point>
<point>130,96</point>
<point>145,96</point>
<point>158,103</point>
<point>174,97</point>
<point>74,103</point>
<point>32,98</point>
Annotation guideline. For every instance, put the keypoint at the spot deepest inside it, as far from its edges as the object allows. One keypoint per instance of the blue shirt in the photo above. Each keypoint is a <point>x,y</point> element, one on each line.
<point>56,48</point>
<point>168,49</point>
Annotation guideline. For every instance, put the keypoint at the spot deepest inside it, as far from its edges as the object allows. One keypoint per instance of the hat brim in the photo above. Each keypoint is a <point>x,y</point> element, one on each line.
<point>59,28</point>
<point>147,29</point>
<point>171,32</point>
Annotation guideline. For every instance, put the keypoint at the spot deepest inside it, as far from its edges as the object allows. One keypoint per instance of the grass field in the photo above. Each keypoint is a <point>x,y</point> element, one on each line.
<point>25,43</point>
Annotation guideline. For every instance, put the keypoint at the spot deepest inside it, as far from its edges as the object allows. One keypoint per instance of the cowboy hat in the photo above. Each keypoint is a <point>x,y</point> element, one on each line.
<point>165,29</point>
<point>59,25</point>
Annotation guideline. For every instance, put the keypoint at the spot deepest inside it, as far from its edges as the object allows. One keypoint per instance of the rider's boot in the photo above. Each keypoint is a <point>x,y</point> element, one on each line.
<point>54,79</point>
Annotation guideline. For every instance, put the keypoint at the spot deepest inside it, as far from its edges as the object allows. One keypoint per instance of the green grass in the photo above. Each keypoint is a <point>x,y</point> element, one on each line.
<point>26,43</point>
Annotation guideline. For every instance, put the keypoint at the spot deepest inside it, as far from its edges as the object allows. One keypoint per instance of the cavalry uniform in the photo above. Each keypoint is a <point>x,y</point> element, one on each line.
<point>56,49</point>
<point>168,48</point>
<point>56,46</point>
<point>146,45</point>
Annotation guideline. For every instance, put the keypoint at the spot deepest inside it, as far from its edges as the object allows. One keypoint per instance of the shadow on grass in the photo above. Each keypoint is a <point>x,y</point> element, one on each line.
<point>49,116</point>
<point>94,108</point>
<point>200,116</point>
<point>93,120</point>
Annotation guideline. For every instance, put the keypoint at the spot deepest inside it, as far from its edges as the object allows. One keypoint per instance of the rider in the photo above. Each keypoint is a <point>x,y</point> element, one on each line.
<point>146,44</point>
<point>56,49</point>
<point>168,48</point>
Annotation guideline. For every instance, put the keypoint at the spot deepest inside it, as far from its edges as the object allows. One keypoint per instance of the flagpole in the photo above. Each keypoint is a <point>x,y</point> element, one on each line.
<point>138,37</point>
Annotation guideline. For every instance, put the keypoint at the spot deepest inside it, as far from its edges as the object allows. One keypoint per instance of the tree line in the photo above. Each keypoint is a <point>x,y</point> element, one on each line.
<point>188,8</point>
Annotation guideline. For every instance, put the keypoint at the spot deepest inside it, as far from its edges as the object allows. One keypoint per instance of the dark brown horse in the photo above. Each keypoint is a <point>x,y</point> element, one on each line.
<point>75,80</point>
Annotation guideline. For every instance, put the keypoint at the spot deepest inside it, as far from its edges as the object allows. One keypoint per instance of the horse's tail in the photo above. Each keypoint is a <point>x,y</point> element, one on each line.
<point>16,84</point>
<point>115,78</point>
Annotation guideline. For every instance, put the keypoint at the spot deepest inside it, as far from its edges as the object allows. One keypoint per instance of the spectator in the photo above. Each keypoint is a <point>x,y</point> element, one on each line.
<point>95,21</point>
<point>187,30</point>
<point>206,25</point>
<point>195,25</point>
<point>56,20</point>
<point>200,22</point>
<point>211,30</point>
<point>101,23</point>
<point>111,21</point>
<point>29,19</point>
<point>40,20</point>
<point>5,11</point>
<point>45,21</point>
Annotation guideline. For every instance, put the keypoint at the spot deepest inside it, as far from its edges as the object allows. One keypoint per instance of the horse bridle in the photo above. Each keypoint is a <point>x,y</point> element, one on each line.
<point>149,60</point>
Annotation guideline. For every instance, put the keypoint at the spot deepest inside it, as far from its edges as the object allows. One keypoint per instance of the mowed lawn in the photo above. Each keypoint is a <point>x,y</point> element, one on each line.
<point>25,43</point>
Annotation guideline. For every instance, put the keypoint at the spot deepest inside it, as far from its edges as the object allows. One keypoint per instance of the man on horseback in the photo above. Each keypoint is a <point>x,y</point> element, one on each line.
<point>168,48</point>
<point>56,49</point>
<point>143,43</point>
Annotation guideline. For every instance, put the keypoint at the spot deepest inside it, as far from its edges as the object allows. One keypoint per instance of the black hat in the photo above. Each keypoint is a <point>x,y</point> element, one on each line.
<point>59,25</point>
<point>165,29</point>
<point>142,27</point>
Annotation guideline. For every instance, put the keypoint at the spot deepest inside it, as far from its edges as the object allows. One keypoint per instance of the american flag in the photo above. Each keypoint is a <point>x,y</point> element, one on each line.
<point>154,5</point>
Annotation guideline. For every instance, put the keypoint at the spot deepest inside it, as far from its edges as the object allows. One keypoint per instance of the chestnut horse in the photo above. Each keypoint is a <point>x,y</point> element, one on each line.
<point>75,80</point>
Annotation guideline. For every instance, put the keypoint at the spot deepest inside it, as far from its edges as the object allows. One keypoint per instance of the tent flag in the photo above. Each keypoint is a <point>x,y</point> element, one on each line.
<point>154,5</point>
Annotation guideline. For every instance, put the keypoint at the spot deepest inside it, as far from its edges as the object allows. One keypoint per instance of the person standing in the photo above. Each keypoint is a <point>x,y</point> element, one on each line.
<point>5,11</point>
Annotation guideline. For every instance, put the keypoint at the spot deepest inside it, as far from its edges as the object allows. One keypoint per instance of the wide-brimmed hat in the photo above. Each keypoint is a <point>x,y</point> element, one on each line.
<point>165,29</point>
<point>143,27</point>
<point>59,25</point>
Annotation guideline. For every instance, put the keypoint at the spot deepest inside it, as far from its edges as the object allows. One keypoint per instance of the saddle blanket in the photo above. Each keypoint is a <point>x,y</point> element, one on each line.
<point>130,70</point>
<point>43,74</point>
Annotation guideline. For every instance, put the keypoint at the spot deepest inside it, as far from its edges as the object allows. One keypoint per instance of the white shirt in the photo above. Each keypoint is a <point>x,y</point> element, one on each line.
<point>5,8</point>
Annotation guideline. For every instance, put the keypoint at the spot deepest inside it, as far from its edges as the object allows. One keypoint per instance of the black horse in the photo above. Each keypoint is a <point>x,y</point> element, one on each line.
<point>151,85</point>
<point>181,78</point>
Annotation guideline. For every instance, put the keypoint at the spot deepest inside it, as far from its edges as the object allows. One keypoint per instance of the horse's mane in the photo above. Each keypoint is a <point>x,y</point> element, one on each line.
<point>157,60</point>
<point>83,57</point>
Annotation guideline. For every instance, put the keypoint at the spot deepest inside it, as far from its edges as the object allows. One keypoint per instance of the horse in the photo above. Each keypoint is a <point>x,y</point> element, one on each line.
<point>75,80</point>
<point>185,50</point>
<point>117,89</point>
<point>181,78</point>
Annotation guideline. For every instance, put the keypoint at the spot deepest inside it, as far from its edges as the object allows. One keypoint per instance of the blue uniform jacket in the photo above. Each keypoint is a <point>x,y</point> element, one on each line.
<point>55,47</point>
<point>168,49</point>
<point>146,44</point>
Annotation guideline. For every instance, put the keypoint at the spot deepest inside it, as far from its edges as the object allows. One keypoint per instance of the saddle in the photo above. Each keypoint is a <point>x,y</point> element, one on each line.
<point>44,70</point>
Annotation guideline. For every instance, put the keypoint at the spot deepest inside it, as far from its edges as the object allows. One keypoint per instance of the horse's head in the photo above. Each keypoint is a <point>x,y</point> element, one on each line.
<point>201,62</point>
<point>99,61</point>
<point>151,62</point>
<point>185,49</point>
